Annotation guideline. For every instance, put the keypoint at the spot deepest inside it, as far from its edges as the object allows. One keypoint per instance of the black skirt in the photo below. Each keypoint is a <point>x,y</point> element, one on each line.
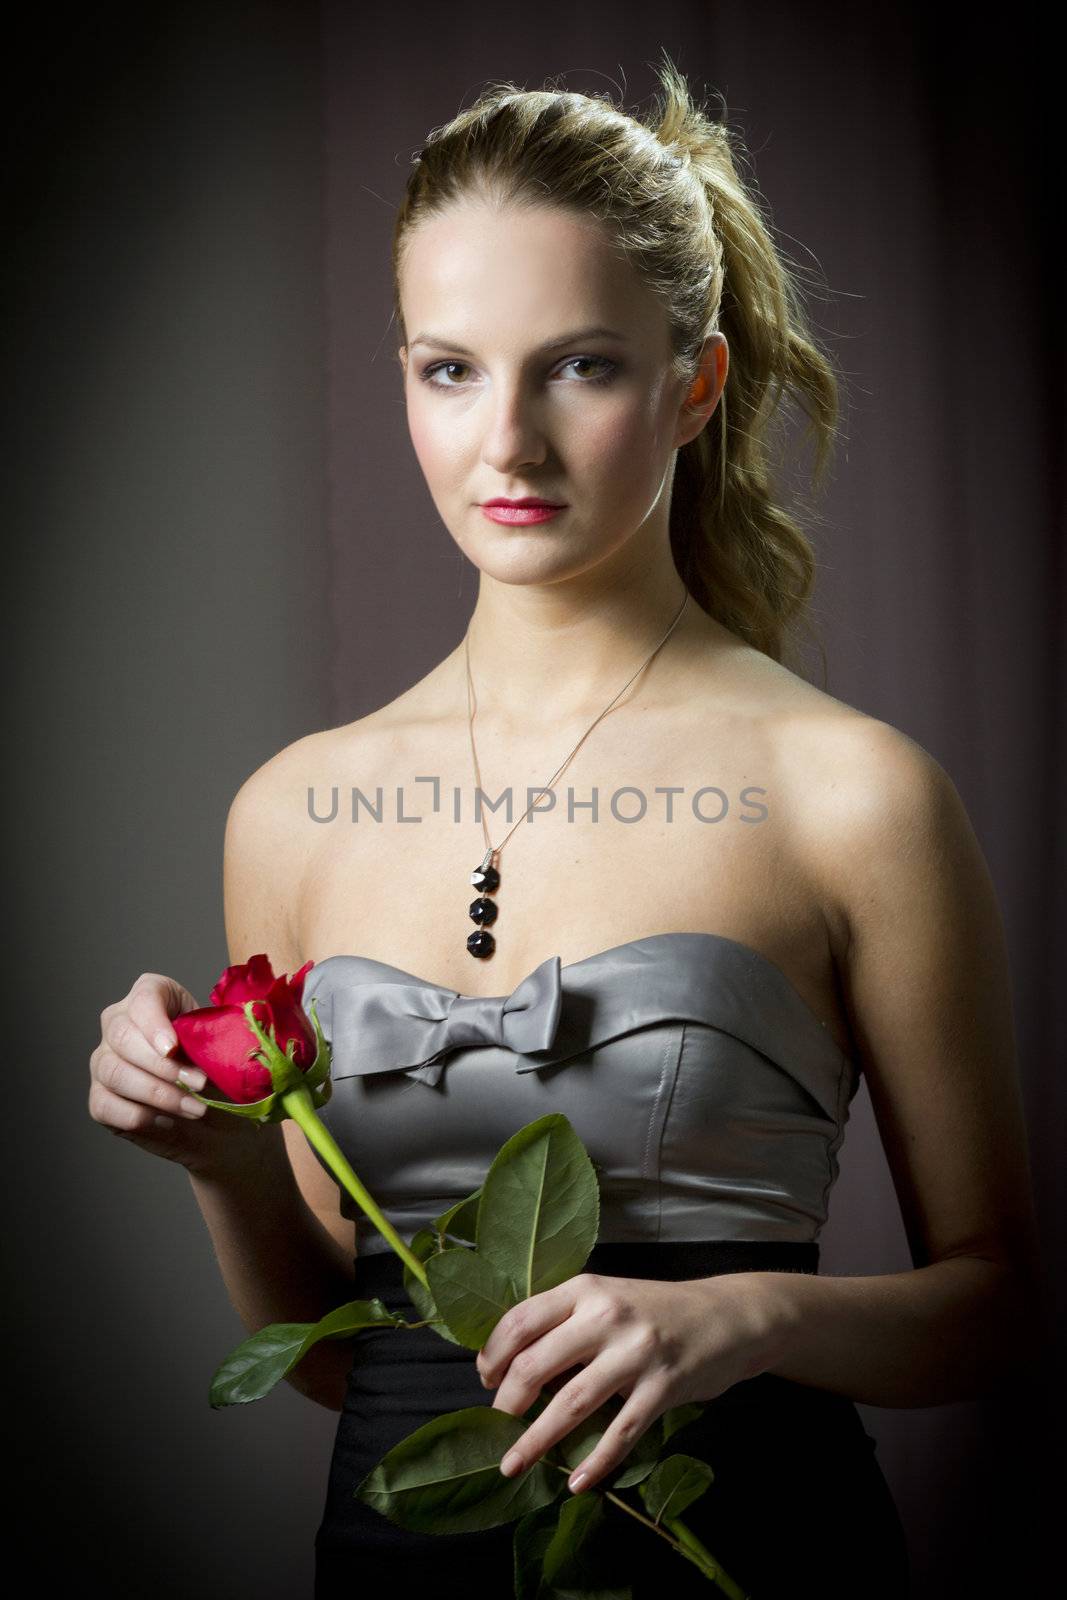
<point>799,1505</point>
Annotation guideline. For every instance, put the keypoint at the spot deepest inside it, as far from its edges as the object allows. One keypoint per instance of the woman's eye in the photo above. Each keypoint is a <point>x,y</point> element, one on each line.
<point>441,366</point>
<point>429,374</point>
<point>600,361</point>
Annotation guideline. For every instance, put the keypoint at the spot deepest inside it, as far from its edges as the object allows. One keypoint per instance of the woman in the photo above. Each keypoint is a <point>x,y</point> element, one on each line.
<point>751,894</point>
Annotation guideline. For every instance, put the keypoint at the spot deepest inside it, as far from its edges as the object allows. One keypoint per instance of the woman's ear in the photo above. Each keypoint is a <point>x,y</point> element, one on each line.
<point>704,393</point>
<point>714,365</point>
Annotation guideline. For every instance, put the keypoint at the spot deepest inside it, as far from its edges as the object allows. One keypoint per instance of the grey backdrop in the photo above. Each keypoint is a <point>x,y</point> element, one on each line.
<point>220,540</point>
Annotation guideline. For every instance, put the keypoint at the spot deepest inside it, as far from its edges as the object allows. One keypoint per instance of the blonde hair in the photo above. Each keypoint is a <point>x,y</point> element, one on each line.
<point>672,198</point>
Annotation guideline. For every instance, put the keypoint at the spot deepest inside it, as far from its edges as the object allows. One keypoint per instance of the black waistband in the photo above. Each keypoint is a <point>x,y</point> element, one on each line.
<point>668,1260</point>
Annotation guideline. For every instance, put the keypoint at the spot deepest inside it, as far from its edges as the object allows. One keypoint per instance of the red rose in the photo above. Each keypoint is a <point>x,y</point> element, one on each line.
<point>218,1040</point>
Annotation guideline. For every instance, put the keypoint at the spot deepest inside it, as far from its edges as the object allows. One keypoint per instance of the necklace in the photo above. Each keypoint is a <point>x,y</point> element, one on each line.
<point>486,876</point>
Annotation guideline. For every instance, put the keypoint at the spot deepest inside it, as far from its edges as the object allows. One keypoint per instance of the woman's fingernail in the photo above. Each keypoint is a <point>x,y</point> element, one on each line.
<point>163,1122</point>
<point>511,1463</point>
<point>576,1482</point>
<point>164,1042</point>
<point>191,1078</point>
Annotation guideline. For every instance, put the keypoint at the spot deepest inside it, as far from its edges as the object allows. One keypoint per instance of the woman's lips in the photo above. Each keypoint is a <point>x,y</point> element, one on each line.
<point>522,514</point>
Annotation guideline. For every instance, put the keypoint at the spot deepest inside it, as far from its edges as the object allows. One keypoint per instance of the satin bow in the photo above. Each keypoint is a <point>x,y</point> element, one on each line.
<point>393,1026</point>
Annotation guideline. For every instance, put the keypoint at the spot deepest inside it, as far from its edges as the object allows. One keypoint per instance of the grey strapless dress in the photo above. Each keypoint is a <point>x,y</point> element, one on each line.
<point>713,1103</point>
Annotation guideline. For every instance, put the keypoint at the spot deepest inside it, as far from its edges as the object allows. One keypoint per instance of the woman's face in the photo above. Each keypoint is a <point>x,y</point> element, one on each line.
<point>509,395</point>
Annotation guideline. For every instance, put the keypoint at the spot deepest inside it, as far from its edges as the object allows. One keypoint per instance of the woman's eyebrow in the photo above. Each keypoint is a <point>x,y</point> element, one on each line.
<point>553,344</point>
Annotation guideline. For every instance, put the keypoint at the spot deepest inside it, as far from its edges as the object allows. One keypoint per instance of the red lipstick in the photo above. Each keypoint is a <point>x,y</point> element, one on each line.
<point>527,510</point>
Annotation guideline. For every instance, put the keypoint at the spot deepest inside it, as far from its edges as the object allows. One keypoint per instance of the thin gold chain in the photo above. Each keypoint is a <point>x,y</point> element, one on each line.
<point>494,850</point>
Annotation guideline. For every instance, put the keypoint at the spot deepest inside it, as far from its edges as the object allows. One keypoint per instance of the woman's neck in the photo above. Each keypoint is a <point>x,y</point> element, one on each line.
<point>542,657</point>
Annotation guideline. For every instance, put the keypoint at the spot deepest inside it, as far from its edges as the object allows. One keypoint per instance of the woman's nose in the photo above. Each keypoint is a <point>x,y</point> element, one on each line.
<point>513,429</point>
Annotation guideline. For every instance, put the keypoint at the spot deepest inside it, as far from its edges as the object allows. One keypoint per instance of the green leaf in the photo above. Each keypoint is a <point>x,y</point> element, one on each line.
<point>648,1449</point>
<point>582,1440</point>
<point>533,1535</point>
<point>423,1246</point>
<point>560,1549</point>
<point>579,1515</point>
<point>640,1459</point>
<point>540,1207</point>
<point>469,1292</point>
<point>256,1365</point>
<point>445,1477</point>
<point>675,1484</point>
<point>680,1417</point>
<point>597,1592</point>
<point>461,1220</point>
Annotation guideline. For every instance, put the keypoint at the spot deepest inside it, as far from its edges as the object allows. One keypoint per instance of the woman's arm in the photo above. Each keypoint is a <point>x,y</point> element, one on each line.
<point>279,1262</point>
<point>920,948</point>
<point>283,1248</point>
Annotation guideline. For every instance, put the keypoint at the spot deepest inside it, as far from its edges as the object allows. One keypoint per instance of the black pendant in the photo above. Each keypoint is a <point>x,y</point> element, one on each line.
<point>486,879</point>
<point>481,943</point>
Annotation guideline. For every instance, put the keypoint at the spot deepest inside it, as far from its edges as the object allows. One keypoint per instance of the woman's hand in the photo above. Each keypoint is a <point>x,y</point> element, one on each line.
<point>658,1344</point>
<point>136,1091</point>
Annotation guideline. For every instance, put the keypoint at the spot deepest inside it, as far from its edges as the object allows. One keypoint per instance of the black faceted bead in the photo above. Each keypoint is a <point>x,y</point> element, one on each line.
<point>481,943</point>
<point>485,879</point>
<point>484,911</point>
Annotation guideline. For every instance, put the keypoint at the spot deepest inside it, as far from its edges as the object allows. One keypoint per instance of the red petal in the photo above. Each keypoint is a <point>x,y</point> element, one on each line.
<point>296,982</point>
<point>218,1040</point>
<point>291,1022</point>
<point>250,980</point>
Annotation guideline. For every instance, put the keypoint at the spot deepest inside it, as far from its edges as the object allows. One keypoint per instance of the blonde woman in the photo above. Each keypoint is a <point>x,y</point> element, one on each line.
<point>719,897</point>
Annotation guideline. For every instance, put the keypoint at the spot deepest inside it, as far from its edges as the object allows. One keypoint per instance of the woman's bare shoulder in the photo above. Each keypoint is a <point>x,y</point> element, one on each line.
<point>267,792</point>
<point>864,797</point>
<point>857,763</point>
<point>821,735</point>
<point>269,846</point>
<point>309,757</point>
<point>275,795</point>
<point>851,786</point>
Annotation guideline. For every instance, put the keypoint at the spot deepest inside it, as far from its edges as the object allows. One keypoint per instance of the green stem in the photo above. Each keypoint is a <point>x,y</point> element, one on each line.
<point>299,1105</point>
<point>687,1544</point>
<point>697,1553</point>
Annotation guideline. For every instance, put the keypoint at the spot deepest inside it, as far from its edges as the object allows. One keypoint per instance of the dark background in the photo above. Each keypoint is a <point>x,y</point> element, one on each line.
<point>219,540</point>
